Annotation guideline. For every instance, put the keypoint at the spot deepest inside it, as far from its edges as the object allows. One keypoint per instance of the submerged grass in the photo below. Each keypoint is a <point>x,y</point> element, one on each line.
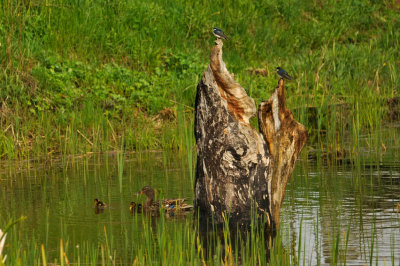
<point>160,242</point>
<point>167,242</point>
<point>65,222</point>
<point>75,77</point>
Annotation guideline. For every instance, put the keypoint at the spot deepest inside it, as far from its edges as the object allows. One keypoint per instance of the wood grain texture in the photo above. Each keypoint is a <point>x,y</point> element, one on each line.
<point>235,169</point>
<point>285,138</point>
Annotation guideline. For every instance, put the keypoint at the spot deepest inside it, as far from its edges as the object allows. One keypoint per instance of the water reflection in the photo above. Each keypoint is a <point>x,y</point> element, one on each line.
<point>239,245</point>
<point>338,213</point>
<point>98,210</point>
<point>330,214</point>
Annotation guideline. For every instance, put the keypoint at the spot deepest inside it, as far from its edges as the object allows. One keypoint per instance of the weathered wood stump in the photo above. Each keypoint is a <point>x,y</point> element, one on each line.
<point>238,168</point>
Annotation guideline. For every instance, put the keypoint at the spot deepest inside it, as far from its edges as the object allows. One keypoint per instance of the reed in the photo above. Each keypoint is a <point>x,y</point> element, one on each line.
<point>120,159</point>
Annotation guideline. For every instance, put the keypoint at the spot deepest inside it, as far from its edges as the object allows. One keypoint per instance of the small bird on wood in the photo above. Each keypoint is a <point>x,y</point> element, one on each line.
<point>219,33</point>
<point>283,74</point>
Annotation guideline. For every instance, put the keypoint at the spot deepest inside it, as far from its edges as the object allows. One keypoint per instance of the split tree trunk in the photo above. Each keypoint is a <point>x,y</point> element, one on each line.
<point>239,168</point>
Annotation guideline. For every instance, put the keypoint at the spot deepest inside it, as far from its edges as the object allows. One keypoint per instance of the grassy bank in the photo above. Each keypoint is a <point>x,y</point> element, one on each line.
<point>76,76</point>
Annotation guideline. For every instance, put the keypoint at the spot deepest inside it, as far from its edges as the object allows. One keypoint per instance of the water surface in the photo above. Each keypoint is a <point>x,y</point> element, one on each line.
<point>325,204</point>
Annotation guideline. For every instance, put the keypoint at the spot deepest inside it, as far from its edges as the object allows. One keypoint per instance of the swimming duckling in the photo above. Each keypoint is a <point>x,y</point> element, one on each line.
<point>133,206</point>
<point>99,204</point>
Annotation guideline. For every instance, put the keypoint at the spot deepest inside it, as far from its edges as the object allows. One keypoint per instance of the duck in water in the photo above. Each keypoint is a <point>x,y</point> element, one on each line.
<point>174,205</point>
<point>135,207</point>
<point>99,204</point>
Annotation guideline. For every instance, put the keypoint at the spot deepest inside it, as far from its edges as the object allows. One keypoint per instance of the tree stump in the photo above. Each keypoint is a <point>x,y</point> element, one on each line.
<point>238,168</point>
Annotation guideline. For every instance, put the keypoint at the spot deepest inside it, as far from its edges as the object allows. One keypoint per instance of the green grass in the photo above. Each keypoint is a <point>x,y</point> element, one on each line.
<point>77,75</point>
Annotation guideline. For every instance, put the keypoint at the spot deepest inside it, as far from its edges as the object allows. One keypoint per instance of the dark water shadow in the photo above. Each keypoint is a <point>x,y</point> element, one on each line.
<point>233,243</point>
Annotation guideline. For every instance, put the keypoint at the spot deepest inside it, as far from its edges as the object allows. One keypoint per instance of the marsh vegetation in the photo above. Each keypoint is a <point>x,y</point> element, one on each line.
<point>96,100</point>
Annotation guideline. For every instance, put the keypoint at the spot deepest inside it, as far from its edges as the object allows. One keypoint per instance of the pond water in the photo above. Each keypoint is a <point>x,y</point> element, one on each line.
<point>356,209</point>
<point>327,207</point>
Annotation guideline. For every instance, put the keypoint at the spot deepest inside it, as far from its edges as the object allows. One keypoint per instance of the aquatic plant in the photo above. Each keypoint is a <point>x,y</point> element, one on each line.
<point>3,237</point>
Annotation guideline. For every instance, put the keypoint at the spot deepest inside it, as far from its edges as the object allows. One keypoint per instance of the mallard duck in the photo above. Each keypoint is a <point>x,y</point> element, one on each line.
<point>150,204</point>
<point>178,208</point>
<point>99,204</point>
<point>135,207</point>
<point>168,204</point>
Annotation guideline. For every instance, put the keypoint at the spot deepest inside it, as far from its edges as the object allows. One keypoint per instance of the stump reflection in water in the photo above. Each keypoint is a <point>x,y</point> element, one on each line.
<point>237,245</point>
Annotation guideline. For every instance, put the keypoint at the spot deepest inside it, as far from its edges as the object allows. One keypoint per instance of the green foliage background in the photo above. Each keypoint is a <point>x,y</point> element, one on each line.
<point>76,76</point>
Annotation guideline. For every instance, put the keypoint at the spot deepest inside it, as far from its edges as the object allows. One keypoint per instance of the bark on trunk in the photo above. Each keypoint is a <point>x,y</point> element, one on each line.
<point>285,138</point>
<point>239,168</point>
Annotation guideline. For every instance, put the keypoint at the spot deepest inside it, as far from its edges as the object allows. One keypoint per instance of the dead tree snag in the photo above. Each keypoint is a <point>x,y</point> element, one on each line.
<point>239,168</point>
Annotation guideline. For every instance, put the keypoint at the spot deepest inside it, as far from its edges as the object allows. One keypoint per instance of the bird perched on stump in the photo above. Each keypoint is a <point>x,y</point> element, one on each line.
<point>219,33</point>
<point>283,74</point>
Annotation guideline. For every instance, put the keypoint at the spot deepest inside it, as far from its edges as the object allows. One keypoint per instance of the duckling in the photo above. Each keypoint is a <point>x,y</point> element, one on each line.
<point>133,206</point>
<point>99,204</point>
